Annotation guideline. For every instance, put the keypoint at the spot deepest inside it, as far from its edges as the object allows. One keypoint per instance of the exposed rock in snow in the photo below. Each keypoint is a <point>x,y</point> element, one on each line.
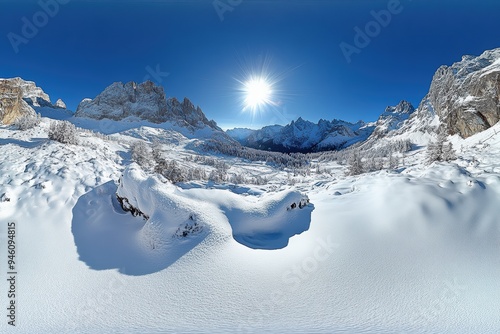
<point>466,95</point>
<point>20,97</point>
<point>145,101</point>
<point>12,104</point>
<point>32,94</point>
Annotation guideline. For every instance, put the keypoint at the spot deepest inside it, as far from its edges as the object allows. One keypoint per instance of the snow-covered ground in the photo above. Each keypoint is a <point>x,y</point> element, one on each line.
<point>415,250</point>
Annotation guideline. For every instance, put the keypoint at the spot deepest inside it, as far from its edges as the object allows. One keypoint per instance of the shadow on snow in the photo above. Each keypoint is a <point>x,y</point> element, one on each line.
<point>107,237</point>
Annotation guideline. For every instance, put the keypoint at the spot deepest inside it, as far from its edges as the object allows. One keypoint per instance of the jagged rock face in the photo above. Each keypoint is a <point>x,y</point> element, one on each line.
<point>144,101</point>
<point>12,104</point>
<point>187,112</point>
<point>466,95</point>
<point>393,118</point>
<point>119,101</point>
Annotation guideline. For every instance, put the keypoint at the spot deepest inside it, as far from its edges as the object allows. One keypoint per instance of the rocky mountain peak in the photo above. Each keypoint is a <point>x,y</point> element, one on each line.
<point>60,104</point>
<point>145,101</point>
<point>403,107</point>
<point>393,118</point>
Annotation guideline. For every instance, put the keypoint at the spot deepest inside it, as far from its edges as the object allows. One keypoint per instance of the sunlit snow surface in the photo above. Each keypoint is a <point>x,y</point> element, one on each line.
<point>416,250</point>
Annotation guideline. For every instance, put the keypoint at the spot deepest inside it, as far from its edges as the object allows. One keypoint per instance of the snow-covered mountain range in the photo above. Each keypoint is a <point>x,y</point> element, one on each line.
<point>463,99</point>
<point>306,136</point>
<point>303,136</point>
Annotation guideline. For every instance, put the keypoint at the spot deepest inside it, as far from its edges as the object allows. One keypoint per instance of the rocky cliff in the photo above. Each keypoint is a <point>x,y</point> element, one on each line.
<point>466,95</point>
<point>19,97</point>
<point>12,104</point>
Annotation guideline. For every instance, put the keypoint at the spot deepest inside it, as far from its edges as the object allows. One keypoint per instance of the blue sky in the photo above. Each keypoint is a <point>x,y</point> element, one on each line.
<point>84,46</point>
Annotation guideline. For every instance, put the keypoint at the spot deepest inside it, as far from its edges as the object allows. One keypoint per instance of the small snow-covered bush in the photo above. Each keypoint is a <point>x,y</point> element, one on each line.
<point>28,122</point>
<point>63,132</point>
<point>141,154</point>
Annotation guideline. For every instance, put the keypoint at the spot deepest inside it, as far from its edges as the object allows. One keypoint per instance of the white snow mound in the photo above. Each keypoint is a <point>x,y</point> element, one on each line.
<point>264,222</point>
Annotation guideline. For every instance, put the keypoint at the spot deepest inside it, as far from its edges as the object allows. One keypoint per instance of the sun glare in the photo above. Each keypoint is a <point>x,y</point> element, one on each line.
<point>257,93</point>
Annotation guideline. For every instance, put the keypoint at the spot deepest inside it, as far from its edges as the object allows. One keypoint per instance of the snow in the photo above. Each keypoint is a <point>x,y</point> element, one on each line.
<point>262,222</point>
<point>413,250</point>
<point>466,100</point>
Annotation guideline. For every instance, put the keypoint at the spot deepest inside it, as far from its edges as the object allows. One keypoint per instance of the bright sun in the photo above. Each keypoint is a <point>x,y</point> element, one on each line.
<point>258,92</point>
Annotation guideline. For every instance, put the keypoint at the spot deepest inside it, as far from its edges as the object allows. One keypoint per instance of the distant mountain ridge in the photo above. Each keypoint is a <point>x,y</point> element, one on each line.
<point>305,136</point>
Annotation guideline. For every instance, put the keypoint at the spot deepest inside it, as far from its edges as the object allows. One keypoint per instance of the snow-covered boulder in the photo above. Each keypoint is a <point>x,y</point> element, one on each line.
<point>265,222</point>
<point>166,212</point>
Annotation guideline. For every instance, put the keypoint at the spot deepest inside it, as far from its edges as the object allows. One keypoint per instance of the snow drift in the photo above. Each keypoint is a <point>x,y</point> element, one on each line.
<point>167,222</point>
<point>266,221</point>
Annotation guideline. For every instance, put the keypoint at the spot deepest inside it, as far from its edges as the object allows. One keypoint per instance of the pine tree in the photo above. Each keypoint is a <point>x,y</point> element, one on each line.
<point>63,132</point>
<point>355,164</point>
<point>448,152</point>
<point>141,154</point>
<point>441,150</point>
<point>393,161</point>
